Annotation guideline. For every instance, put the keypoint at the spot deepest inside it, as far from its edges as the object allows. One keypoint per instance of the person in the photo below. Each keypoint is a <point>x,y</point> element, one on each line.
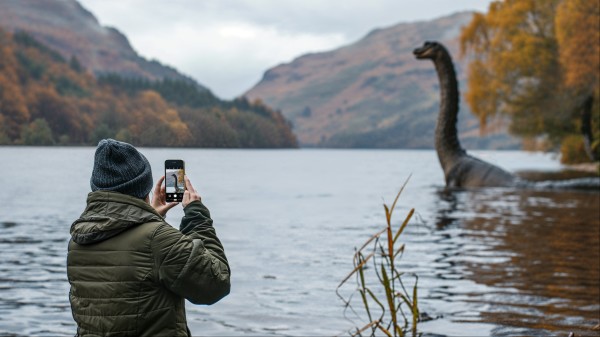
<point>129,270</point>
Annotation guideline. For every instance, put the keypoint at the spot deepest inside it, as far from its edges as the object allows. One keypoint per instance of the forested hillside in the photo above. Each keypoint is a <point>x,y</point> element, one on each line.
<point>46,99</point>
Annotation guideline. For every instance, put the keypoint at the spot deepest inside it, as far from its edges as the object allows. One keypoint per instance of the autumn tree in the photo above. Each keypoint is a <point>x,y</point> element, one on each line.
<point>4,139</point>
<point>578,34</point>
<point>535,62</point>
<point>37,133</point>
<point>60,113</point>
<point>13,107</point>
<point>153,122</point>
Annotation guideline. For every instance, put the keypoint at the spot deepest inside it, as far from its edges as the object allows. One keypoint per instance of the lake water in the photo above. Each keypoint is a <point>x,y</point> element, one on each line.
<point>490,262</point>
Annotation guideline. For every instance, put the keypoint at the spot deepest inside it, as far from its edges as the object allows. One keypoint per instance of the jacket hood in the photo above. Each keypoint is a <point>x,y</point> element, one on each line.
<point>108,214</point>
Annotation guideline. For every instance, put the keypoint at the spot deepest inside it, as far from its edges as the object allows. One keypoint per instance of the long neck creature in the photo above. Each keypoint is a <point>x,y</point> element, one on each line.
<point>446,134</point>
<point>460,169</point>
<point>176,183</point>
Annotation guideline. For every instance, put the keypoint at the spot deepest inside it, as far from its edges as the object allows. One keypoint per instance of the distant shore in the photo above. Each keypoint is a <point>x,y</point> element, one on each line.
<point>575,171</point>
<point>584,167</point>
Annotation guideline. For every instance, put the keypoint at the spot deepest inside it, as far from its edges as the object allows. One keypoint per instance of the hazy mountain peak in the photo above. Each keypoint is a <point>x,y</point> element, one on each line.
<point>69,28</point>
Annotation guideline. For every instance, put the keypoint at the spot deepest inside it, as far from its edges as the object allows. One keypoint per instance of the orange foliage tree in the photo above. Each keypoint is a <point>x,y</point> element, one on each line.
<point>13,107</point>
<point>154,123</point>
<point>578,34</point>
<point>535,62</point>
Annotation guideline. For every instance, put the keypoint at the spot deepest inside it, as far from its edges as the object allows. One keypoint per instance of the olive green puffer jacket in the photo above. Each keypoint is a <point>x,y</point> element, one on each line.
<point>130,271</point>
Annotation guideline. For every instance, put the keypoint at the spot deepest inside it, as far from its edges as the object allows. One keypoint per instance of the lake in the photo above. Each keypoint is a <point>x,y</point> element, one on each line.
<point>497,262</point>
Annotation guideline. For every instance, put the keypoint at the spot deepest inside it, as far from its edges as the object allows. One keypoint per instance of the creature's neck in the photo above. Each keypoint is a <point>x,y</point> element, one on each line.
<point>446,138</point>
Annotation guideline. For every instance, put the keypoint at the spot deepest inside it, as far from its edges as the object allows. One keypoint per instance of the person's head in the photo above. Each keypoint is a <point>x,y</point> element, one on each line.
<point>119,167</point>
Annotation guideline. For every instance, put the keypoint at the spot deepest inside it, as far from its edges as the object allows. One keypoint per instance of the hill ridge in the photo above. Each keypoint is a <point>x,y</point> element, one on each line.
<point>72,30</point>
<point>372,93</point>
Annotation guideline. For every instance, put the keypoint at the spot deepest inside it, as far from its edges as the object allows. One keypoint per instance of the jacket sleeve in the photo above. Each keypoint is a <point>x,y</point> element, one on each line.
<point>191,262</point>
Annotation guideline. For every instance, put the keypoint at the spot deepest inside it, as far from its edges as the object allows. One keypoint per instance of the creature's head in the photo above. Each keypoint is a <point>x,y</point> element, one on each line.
<point>429,50</point>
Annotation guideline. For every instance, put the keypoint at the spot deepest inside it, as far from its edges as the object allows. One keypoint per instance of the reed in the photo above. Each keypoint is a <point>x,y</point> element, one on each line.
<point>389,308</point>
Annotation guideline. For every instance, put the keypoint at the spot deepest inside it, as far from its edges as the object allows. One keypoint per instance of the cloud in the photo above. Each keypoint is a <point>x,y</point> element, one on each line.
<point>229,57</point>
<point>228,44</point>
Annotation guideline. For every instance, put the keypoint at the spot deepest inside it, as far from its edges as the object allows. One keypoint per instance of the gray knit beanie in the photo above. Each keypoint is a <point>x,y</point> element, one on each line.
<point>119,167</point>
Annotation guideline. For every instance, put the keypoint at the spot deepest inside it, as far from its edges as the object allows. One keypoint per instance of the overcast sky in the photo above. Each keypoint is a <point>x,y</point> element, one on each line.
<point>227,45</point>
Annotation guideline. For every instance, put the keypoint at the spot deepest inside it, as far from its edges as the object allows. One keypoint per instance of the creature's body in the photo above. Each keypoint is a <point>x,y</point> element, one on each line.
<point>468,171</point>
<point>461,169</point>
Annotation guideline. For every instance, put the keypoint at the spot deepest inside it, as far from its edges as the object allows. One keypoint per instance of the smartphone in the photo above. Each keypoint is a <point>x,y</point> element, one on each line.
<point>174,183</point>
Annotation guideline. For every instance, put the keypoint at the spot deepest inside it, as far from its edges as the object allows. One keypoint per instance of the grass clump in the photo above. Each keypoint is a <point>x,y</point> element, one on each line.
<point>389,307</point>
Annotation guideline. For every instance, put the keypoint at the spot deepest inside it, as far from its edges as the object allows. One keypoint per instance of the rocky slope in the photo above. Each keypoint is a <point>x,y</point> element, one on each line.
<point>373,93</point>
<point>65,26</point>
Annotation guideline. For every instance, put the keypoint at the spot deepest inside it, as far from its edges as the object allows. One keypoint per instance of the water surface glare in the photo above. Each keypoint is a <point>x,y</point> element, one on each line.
<point>497,262</point>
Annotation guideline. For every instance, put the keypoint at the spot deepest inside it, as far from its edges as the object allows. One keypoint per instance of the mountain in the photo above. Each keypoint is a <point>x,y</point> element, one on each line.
<point>46,100</point>
<point>70,29</point>
<point>48,95</point>
<point>373,93</point>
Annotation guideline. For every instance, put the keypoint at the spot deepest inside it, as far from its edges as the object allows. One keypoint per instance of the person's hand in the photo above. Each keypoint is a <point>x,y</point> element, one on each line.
<point>159,198</point>
<point>190,193</point>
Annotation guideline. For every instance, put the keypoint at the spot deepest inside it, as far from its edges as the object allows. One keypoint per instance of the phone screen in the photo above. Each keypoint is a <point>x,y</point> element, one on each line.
<point>174,183</point>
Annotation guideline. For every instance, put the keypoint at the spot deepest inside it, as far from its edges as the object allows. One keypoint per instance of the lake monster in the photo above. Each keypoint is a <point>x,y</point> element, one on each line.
<point>177,188</point>
<point>462,170</point>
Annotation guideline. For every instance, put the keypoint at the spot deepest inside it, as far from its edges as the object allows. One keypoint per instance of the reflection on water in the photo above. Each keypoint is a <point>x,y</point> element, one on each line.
<point>533,255</point>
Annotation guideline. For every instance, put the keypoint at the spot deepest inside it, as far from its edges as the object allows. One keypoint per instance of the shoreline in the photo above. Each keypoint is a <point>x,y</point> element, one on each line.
<point>583,167</point>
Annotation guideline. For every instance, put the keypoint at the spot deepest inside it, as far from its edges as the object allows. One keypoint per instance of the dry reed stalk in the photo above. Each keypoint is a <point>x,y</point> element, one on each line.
<point>392,320</point>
